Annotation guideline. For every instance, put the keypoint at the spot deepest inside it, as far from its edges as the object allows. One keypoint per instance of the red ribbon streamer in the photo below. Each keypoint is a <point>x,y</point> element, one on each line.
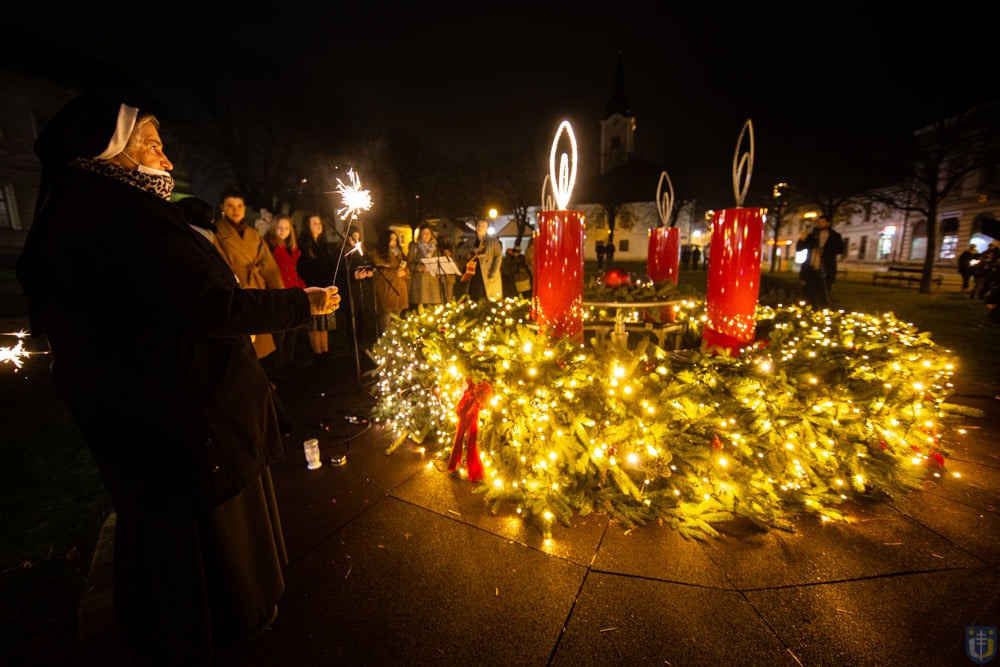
<point>472,401</point>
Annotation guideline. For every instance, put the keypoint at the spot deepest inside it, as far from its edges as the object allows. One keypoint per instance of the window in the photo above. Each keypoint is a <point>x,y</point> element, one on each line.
<point>623,245</point>
<point>8,208</point>
<point>885,246</point>
<point>863,247</point>
<point>949,238</point>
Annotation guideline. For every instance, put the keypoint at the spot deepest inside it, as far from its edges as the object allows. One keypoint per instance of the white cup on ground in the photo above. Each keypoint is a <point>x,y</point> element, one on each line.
<point>311,448</point>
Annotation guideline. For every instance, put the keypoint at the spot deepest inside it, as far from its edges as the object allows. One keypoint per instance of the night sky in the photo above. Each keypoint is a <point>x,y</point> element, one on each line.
<point>817,82</point>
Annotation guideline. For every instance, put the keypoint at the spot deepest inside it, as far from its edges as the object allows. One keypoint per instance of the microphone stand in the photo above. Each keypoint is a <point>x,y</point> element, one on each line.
<point>354,323</point>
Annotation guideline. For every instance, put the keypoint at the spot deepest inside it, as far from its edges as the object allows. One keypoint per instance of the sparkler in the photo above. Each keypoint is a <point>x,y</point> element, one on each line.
<point>353,200</point>
<point>15,355</point>
<point>352,197</point>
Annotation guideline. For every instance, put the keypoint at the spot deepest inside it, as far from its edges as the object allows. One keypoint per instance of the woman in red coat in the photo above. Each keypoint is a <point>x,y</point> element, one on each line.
<point>285,249</point>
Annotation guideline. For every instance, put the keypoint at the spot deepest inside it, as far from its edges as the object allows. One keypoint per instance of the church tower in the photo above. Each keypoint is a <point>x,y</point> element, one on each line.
<point>618,126</point>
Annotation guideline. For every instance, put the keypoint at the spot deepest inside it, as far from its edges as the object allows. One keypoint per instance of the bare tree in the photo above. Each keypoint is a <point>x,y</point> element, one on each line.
<point>945,153</point>
<point>408,172</point>
<point>518,176</point>
<point>633,181</point>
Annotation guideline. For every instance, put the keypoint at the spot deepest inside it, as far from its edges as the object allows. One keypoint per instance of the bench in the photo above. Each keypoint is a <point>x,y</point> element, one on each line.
<point>903,276</point>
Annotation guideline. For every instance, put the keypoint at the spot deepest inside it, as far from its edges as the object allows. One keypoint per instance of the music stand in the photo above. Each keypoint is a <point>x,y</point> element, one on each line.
<point>440,266</point>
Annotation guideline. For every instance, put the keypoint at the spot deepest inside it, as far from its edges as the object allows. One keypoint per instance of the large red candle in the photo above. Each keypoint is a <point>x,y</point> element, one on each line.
<point>733,280</point>
<point>663,257</point>
<point>557,301</point>
<point>663,260</point>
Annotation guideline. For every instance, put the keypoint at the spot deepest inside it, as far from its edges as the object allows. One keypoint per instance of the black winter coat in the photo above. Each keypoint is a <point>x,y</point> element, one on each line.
<point>150,341</point>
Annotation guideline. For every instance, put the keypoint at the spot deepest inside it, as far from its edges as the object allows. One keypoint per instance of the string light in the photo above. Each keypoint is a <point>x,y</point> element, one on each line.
<point>788,439</point>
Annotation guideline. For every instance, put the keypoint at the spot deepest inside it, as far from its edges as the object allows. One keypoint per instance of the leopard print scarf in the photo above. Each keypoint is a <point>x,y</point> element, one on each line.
<point>160,185</point>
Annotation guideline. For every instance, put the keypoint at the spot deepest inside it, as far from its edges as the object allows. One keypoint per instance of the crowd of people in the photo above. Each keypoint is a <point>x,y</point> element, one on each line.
<point>980,273</point>
<point>377,282</point>
<point>215,303</point>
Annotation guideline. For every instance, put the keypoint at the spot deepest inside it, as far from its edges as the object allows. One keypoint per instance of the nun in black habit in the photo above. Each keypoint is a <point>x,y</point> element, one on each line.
<point>149,336</point>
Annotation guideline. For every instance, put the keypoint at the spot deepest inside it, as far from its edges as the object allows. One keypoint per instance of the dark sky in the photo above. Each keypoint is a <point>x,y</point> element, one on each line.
<point>814,80</point>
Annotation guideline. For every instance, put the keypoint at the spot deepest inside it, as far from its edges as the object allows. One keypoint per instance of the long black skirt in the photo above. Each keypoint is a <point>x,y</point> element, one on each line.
<point>189,586</point>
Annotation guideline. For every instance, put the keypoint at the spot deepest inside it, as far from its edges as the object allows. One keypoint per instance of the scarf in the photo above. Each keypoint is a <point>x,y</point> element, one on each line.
<point>428,249</point>
<point>160,185</point>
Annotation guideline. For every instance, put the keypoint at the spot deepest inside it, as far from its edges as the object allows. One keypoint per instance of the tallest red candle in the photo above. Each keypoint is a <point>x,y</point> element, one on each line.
<point>557,301</point>
<point>733,280</point>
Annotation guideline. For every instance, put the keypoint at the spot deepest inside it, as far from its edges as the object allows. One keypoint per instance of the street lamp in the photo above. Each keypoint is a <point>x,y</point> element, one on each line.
<point>493,218</point>
<point>778,193</point>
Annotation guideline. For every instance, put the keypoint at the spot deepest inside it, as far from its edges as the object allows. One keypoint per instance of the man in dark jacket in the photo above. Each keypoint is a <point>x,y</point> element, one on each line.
<point>967,264</point>
<point>820,268</point>
<point>150,341</point>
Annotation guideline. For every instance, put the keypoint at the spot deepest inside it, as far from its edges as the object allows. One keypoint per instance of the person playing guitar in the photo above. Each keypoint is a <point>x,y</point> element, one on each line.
<point>470,266</point>
<point>482,268</point>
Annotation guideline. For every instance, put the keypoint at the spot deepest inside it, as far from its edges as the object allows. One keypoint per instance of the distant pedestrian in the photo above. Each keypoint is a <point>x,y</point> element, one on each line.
<point>987,269</point>
<point>695,257</point>
<point>966,264</point>
<point>819,270</point>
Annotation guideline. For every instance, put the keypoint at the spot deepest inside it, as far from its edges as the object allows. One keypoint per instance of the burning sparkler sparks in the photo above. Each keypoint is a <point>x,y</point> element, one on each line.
<point>352,197</point>
<point>15,355</point>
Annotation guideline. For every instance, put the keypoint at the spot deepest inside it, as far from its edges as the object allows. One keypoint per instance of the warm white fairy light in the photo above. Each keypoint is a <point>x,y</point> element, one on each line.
<point>532,411</point>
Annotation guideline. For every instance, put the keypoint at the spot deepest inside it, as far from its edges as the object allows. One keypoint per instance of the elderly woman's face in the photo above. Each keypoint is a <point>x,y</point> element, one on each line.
<point>146,148</point>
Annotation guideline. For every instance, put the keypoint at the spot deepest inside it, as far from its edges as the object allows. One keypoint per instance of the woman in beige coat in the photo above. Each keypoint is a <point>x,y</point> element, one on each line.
<point>248,256</point>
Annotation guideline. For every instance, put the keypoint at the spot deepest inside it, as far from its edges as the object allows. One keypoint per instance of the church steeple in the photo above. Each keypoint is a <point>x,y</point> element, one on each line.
<point>618,127</point>
<point>618,102</point>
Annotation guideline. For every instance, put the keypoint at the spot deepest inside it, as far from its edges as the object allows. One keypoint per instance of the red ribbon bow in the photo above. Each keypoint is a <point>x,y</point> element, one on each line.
<point>472,401</point>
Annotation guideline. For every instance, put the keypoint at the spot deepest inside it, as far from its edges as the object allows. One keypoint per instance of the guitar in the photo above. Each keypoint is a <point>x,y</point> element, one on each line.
<point>470,268</point>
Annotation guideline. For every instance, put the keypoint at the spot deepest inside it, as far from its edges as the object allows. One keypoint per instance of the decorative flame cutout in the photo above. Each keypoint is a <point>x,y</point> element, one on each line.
<point>664,202</point>
<point>563,182</point>
<point>741,162</point>
<point>548,198</point>
<point>352,197</point>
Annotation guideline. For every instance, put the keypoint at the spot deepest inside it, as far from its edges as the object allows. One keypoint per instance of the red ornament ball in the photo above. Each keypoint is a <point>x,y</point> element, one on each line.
<point>616,278</point>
